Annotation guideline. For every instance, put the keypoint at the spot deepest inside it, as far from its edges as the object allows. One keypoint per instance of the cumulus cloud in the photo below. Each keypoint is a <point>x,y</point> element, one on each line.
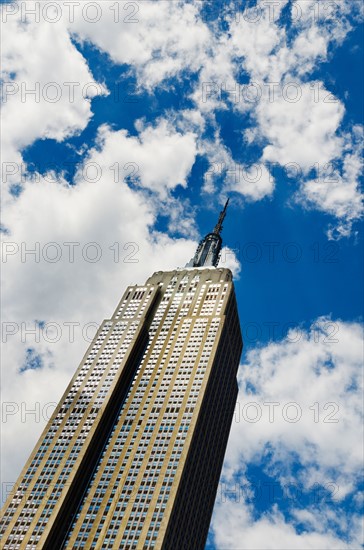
<point>158,159</point>
<point>321,366</point>
<point>229,260</point>
<point>47,94</point>
<point>299,128</point>
<point>158,39</point>
<point>338,192</point>
<point>253,182</point>
<point>234,526</point>
<point>255,34</point>
<point>296,120</point>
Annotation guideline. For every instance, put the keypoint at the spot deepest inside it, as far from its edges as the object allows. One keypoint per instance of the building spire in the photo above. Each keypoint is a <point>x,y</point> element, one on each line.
<point>209,249</point>
<point>218,226</point>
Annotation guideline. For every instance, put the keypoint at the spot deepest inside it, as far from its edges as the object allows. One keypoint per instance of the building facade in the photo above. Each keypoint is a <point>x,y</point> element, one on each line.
<point>132,455</point>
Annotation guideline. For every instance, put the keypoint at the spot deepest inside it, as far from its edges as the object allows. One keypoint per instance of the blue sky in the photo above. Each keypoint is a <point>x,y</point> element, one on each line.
<point>152,113</point>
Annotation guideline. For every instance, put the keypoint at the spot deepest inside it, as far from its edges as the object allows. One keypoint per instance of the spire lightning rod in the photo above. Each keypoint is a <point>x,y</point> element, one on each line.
<point>218,227</point>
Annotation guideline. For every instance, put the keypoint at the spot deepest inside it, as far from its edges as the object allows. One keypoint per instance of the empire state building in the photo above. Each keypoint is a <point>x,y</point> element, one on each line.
<point>132,455</point>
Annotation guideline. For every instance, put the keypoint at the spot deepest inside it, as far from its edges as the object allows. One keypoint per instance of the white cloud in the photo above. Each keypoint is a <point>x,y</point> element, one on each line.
<point>158,159</point>
<point>321,366</point>
<point>302,130</point>
<point>158,39</point>
<point>299,121</point>
<point>60,77</point>
<point>253,182</point>
<point>234,526</point>
<point>229,260</point>
<point>296,121</point>
<point>254,37</point>
<point>339,193</point>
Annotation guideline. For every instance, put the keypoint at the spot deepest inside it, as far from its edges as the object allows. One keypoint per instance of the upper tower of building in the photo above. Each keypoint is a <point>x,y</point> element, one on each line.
<point>209,249</point>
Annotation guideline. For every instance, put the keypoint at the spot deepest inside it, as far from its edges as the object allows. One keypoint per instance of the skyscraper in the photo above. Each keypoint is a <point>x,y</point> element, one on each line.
<point>132,455</point>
